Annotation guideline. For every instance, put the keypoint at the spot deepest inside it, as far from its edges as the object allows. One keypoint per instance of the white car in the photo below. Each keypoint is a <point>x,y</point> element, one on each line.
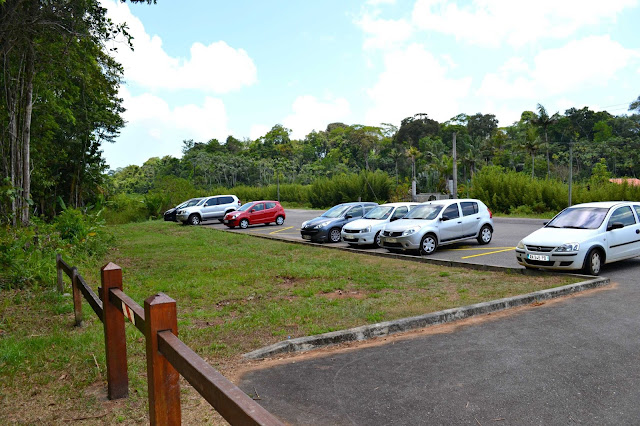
<point>584,236</point>
<point>437,223</point>
<point>208,208</point>
<point>366,231</point>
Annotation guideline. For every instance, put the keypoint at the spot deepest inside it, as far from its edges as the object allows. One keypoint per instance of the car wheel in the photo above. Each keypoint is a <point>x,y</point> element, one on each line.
<point>194,219</point>
<point>334,235</point>
<point>279,220</point>
<point>244,223</point>
<point>484,237</point>
<point>376,240</point>
<point>593,262</point>
<point>428,244</point>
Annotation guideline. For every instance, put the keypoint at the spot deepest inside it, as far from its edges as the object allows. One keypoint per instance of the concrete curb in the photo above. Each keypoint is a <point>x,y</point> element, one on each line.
<point>386,328</point>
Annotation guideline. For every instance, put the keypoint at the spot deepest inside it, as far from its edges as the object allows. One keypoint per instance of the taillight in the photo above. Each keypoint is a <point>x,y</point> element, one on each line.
<point>490,214</point>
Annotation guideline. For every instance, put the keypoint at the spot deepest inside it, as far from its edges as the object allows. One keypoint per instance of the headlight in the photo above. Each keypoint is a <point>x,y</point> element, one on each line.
<point>367,229</point>
<point>323,224</point>
<point>304,224</point>
<point>411,231</point>
<point>520,245</point>
<point>568,247</point>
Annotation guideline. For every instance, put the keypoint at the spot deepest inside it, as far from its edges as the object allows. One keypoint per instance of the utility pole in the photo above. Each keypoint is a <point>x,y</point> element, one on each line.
<point>570,169</point>
<point>455,168</point>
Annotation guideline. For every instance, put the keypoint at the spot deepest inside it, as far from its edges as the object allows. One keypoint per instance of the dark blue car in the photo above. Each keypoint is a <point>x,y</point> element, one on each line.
<point>327,228</point>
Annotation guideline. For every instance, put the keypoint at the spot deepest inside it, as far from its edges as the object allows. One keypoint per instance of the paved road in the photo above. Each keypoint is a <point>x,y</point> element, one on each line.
<point>571,361</point>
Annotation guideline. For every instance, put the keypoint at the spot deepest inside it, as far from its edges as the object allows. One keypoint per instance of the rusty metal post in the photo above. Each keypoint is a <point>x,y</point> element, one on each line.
<point>114,334</point>
<point>77,297</point>
<point>163,379</point>
<point>60,283</point>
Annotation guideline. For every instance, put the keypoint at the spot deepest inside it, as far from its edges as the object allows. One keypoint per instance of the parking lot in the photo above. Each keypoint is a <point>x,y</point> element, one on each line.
<point>569,361</point>
<point>500,252</point>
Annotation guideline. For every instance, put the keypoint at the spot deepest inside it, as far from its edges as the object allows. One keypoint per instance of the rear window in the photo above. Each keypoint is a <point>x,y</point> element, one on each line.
<point>271,205</point>
<point>225,200</point>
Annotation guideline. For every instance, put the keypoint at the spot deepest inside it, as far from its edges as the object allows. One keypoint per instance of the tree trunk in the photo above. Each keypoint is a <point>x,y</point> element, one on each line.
<point>26,139</point>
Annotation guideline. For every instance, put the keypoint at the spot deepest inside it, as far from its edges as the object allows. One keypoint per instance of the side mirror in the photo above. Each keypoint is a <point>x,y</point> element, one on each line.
<point>348,216</point>
<point>444,218</point>
<point>615,225</point>
<point>252,211</point>
<point>545,223</point>
<point>393,218</point>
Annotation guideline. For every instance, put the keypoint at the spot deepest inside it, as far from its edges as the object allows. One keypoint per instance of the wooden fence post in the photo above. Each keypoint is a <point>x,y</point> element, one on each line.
<point>77,297</point>
<point>60,282</point>
<point>163,379</point>
<point>114,334</point>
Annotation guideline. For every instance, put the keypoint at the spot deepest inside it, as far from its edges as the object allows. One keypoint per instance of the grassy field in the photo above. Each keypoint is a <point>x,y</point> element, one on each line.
<point>234,294</point>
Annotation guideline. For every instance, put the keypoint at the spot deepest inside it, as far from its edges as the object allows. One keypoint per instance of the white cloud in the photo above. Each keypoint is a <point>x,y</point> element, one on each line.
<point>383,33</point>
<point>311,114</point>
<point>215,68</point>
<point>198,122</point>
<point>558,71</point>
<point>414,81</point>
<point>493,22</point>
<point>258,130</point>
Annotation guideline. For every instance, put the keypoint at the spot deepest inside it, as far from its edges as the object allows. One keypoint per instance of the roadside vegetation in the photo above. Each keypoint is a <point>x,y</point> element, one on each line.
<point>234,293</point>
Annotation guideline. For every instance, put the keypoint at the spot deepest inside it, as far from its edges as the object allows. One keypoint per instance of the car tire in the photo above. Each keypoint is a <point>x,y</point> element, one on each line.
<point>428,244</point>
<point>244,223</point>
<point>194,219</point>
<point>334,235</point>
<point>593,262</point>
<point>376,240</point>
<point>279,220</point>
<point>485,235</point>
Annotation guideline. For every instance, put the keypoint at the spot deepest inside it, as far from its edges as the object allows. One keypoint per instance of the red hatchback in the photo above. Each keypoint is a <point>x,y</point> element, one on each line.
<point>255,212</point>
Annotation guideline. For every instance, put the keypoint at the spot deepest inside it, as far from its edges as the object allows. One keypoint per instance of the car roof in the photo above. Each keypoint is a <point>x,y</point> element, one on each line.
<point>602,204</point>
<point>399,204</point>
<point>448,200</point>
<point>263,201</point>
<point>358,203</point>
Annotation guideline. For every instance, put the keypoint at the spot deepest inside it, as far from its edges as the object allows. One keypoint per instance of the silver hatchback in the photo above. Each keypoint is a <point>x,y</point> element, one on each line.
<point>437,223</point>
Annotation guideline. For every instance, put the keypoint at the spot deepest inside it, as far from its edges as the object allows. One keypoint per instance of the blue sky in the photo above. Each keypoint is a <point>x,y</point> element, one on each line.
<point>207,69</point>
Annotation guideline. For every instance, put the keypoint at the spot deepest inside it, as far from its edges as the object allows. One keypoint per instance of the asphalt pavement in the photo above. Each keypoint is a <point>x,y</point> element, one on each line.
<point>574,360</point>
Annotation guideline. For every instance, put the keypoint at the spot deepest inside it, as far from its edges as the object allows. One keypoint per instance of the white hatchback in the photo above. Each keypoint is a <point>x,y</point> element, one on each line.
<point>366,231</point>
<point>584,236</point>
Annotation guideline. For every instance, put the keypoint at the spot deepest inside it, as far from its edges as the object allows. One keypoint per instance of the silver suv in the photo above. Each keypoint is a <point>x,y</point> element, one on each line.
<point>209,208</point>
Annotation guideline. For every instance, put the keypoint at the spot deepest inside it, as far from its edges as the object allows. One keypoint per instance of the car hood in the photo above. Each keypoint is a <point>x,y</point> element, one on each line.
<point>170,210</point>
<point>320,219</point>
<point>363,223</point>
<point>404,224</point>
<point>558,236</point>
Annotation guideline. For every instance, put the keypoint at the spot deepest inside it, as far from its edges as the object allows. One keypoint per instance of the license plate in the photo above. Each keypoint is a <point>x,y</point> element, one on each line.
<point>306,237</point>
<point>538,257</point>
<point>391,240</point>
<point>349,237</point>
<point>225,221</point>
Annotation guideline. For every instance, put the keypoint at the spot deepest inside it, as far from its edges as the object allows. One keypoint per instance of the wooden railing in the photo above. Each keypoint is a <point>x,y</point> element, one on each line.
<point>167,356</point>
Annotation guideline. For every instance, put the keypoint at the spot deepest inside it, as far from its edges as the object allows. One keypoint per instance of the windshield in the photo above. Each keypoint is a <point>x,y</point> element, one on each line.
<point>337,211</point>
<point>245,207</point>
<point>428,212</point>
<point>190,203</point>
<point>579,218</point>
<point>380,213</point>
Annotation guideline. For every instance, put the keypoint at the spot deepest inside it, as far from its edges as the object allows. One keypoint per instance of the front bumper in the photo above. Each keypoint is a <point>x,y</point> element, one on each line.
<point>550,260</point>
<point>315,235</point>
<point>182,217</point>
<point>358,238</point>
<point>400,242</point>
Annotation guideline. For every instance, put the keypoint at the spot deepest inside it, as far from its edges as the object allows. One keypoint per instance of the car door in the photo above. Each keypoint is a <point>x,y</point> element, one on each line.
<point>257,213</point>
<point>470,218</point>
<point>450,225</point>
<point>270,212</point>
<point>209,208</point>
<point>625,241</point>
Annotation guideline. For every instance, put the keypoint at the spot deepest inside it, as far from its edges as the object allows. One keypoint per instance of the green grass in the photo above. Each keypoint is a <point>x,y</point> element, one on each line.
<point>234,293</point>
